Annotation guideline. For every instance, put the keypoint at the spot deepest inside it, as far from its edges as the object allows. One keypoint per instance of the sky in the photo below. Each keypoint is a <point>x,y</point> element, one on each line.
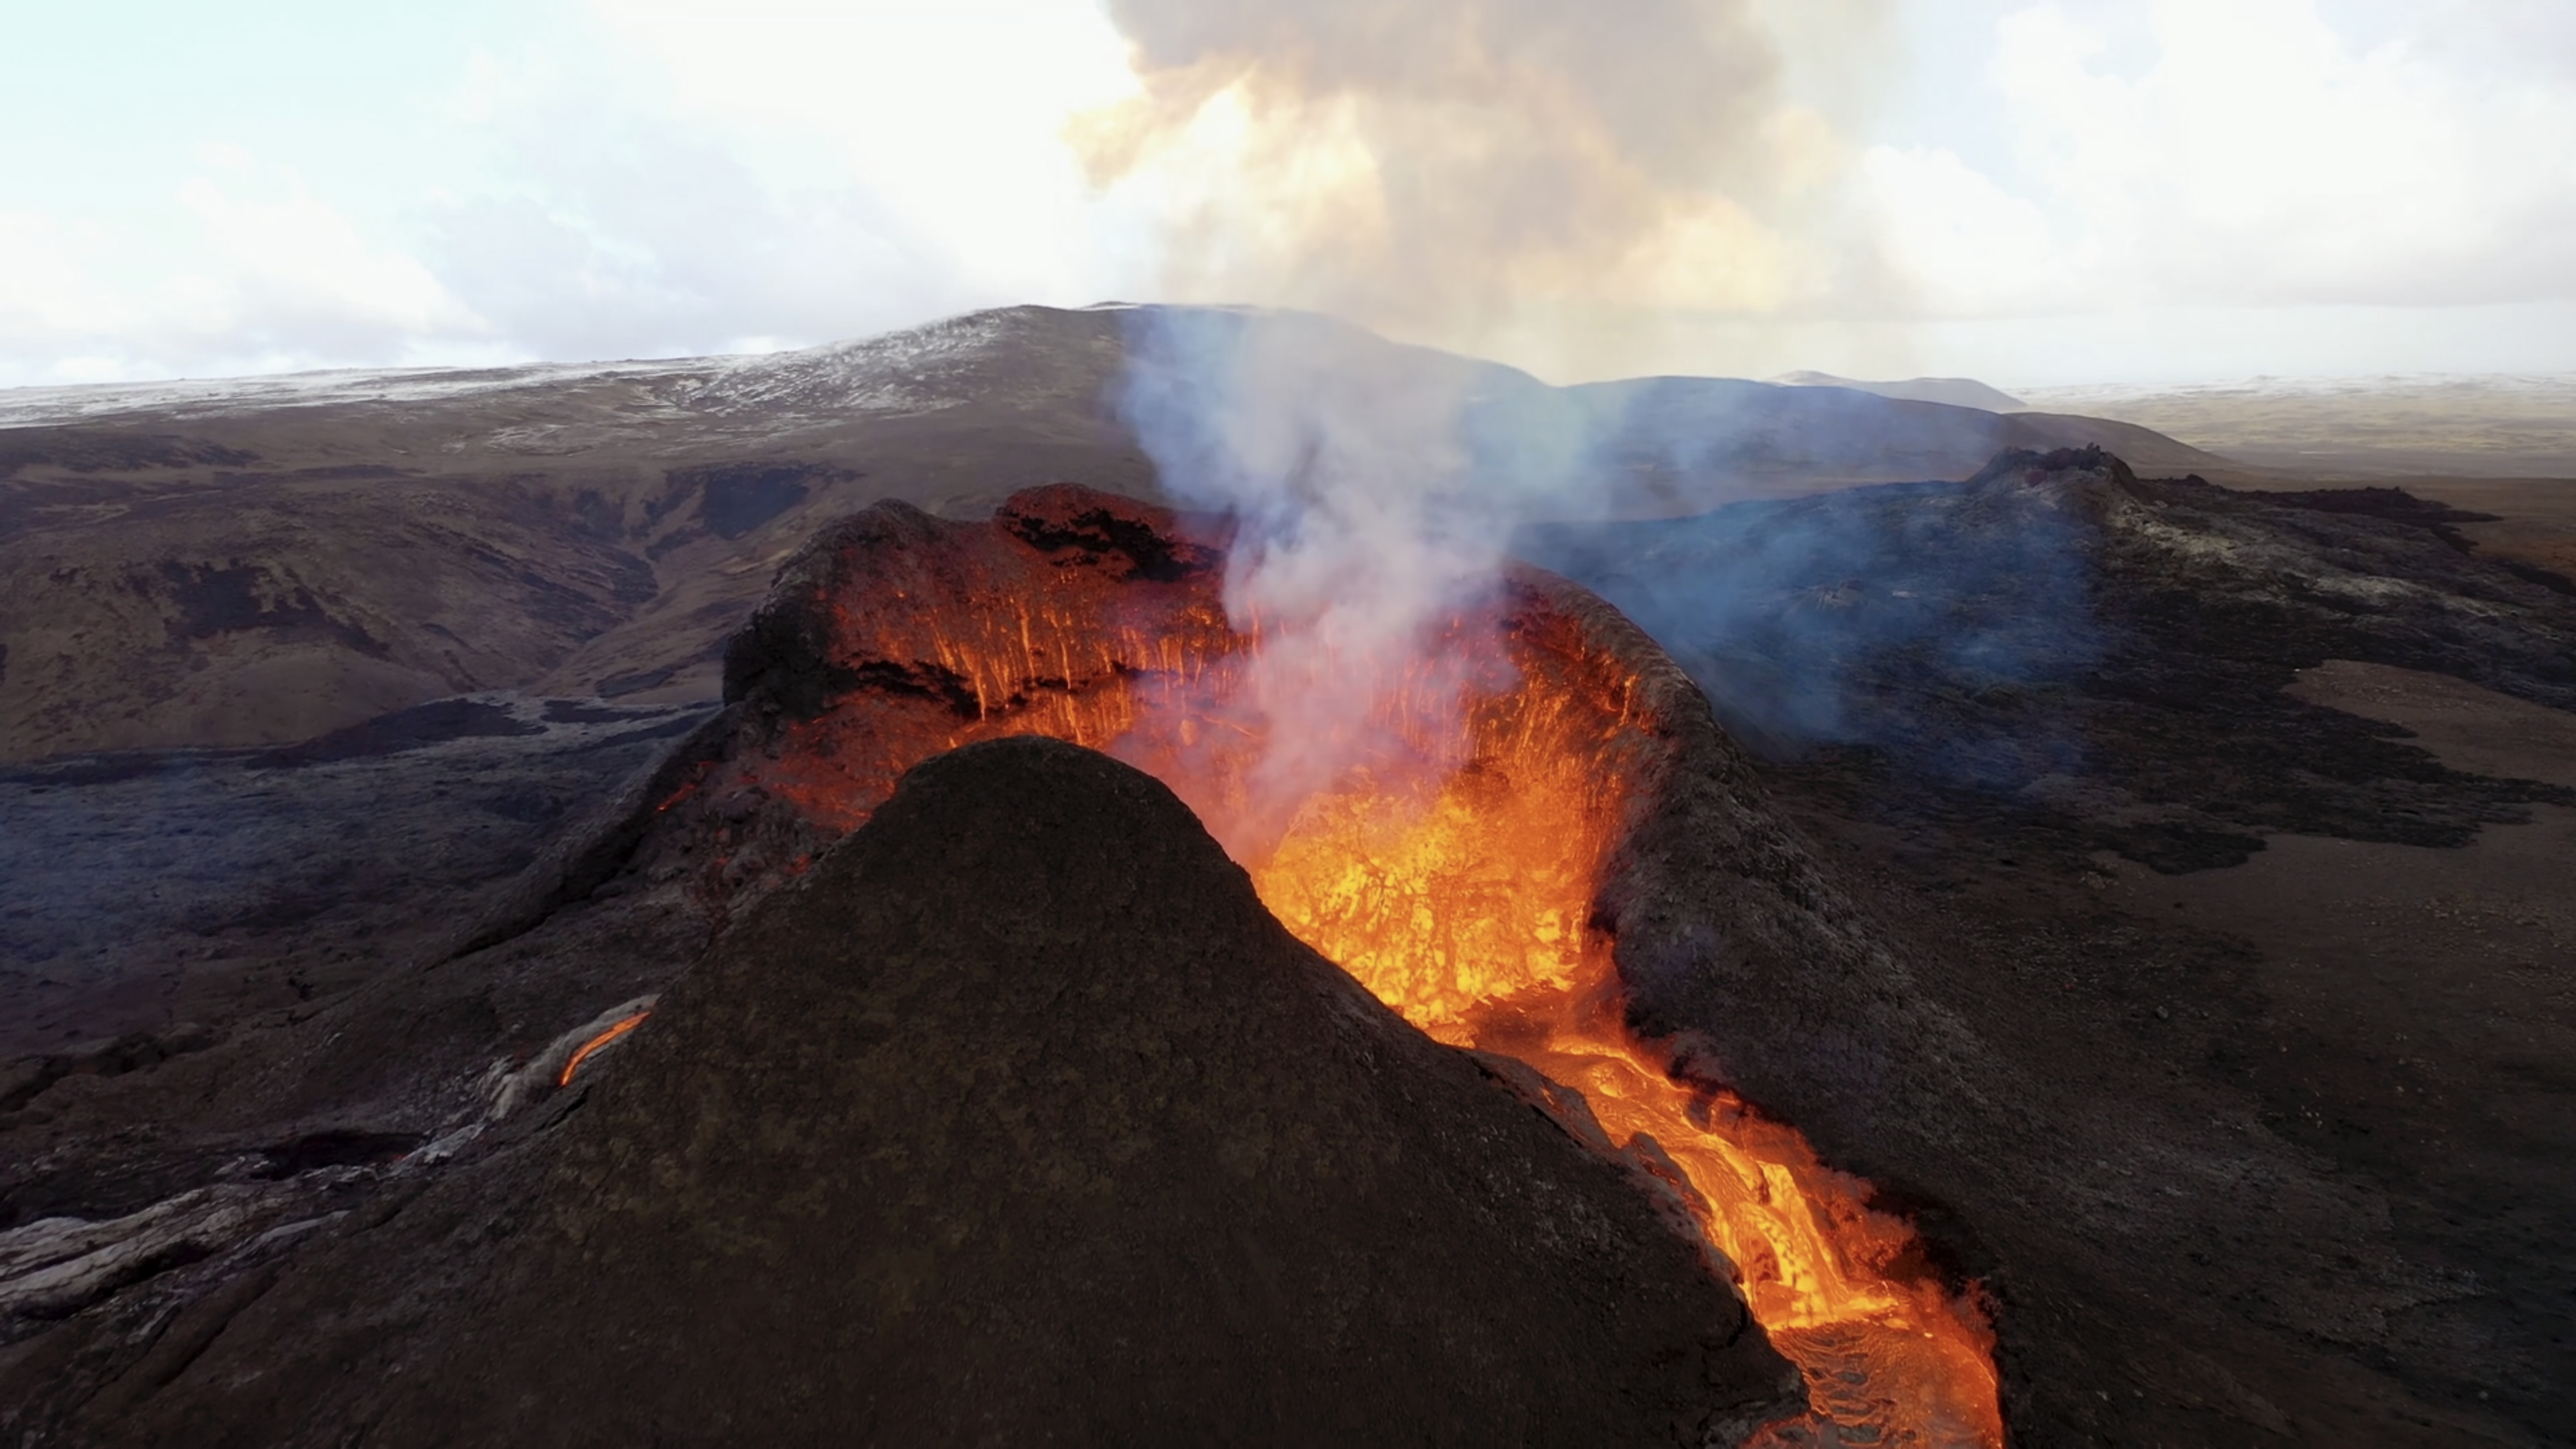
<point>2079,191</point>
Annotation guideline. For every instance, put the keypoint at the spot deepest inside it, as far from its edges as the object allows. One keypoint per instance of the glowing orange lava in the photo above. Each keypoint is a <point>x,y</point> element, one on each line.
<point>1455,878</point>
<point>616,1029</point>
<point>1463,902</point>
<point>1453,869</point>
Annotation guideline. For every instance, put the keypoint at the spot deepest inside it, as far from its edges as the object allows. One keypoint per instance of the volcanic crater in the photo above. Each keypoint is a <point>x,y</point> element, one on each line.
<point>1506,869</point>
<point>1481,870</point>
<point>1783,1094</point>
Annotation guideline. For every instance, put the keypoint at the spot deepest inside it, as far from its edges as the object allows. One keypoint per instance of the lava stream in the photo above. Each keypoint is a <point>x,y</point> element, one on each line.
<point>1464,903</point>
<point>616,1029</point>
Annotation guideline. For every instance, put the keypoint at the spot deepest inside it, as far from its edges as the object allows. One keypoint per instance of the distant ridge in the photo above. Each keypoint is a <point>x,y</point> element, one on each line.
<point>253,561</point>
<point>1958,392</point>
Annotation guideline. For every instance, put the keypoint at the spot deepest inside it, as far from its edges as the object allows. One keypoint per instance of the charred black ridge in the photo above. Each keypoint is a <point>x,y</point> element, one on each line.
<point>1099,533</point>
<point>780,661</point>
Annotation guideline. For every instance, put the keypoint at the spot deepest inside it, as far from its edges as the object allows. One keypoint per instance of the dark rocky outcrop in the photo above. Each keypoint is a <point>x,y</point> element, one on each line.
<point>1018,1119</point>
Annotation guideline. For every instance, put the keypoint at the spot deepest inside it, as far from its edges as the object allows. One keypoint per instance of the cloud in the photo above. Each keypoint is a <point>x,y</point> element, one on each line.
<point>947,113</point>
<point>607,231</point>
<point>1702,185</point>
<point>1450,169</point>
<point>2257,156</point>
<point>1963,244</point>
<point>243,268</point>
<point>760,174</point>
<point>616,178</point>
<point>295,268</point>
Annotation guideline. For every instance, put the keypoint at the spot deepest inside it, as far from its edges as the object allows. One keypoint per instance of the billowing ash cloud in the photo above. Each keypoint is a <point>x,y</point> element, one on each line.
<point>1443,168</point>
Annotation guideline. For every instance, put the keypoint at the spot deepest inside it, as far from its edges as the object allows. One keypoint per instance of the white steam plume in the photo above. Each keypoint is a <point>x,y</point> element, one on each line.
<point>1525,175</point>
<point>1357,525</point>
<point>1466,170</point>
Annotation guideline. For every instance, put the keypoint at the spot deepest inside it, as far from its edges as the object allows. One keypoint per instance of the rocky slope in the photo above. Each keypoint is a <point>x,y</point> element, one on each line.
<point>1017,1118</point>
<point>143,895</point>
<point>2095,657</point>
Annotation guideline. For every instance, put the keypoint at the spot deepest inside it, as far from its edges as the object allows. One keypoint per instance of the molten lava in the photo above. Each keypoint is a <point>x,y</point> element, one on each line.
<point>582,1053</point>
<point>1453,870</point>
<point>1463,898</point>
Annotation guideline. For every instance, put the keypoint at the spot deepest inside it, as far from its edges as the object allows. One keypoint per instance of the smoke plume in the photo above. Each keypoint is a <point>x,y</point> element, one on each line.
<point>1461,171</point>
<point>1479,173</point>
<point>1358,529</point>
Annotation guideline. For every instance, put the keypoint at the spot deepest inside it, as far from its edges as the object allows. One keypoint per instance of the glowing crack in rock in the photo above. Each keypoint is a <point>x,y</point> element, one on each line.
<point>584,1052</point>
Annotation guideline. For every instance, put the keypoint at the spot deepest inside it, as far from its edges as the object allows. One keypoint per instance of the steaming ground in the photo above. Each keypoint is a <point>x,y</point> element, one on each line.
<point>2128,787</point>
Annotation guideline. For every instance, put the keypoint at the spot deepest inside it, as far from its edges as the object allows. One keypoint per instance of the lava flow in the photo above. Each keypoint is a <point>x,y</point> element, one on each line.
<point>1464,903</point>
<point>582,1053</point>
<point>1453,870</point>
<point>1456,879</point>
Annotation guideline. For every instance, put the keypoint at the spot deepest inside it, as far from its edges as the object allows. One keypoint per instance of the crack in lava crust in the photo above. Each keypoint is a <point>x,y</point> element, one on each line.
<point>1453,871</point>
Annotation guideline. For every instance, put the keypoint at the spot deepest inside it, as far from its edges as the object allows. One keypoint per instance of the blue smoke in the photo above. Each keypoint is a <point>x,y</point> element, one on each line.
<point>1377,487</point>
<point>1938,621</point>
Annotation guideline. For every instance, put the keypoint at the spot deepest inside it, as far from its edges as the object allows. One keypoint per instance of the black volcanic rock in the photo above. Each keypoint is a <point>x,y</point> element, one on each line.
<point>1017,1119</point>
<point>2097,658</point>
<point>1907,933</point>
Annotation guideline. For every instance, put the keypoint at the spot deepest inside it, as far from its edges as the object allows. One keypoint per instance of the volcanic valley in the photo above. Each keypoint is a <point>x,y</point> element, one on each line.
<point>737,900</point>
